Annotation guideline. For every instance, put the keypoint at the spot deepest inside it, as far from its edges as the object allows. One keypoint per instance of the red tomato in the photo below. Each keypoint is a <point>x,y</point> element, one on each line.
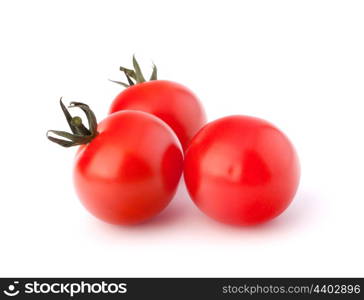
<point>127,167</point>
<point>170,101</point>
<point>241,170</point>
<point>129,172</point>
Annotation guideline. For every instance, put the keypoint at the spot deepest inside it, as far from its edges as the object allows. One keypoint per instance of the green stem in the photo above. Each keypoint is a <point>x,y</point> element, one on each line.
<point>135,76</point>
<point>80,134</point>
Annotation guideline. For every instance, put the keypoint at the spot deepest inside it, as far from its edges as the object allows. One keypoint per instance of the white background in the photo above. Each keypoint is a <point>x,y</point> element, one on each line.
<point>298,64</point>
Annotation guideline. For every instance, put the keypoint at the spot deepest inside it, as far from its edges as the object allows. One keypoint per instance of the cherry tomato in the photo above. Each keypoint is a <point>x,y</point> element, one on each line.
<point>130,171</point>
<point>241,170</point>
<point>169,101</point>
<point>127,167</point>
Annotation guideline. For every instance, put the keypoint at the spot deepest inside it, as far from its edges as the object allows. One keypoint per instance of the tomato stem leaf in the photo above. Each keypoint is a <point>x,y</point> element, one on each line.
<point>154,73</point>
<point>120,82</point>
<point>138,72</point>
<point>80,134</point>
<point>135,76</point>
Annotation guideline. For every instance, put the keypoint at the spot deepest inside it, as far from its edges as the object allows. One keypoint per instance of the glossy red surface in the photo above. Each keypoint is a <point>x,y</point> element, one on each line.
<point>241,170</point>
<point>169,101</point>
<point>130,171</point>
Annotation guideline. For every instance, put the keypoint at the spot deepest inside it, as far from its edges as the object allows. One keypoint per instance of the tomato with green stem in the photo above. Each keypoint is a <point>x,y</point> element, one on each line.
<point>127,167</point>
<point>170,101</point>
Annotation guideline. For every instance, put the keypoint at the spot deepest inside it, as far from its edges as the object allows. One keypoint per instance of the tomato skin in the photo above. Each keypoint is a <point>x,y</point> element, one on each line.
<point>241,170</point>
<point>129,172</point>
<point>173,103</point>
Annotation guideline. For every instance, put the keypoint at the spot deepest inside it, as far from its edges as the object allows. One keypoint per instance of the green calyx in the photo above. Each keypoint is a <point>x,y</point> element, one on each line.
<point>135,76</point>
<point>80,134</point>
